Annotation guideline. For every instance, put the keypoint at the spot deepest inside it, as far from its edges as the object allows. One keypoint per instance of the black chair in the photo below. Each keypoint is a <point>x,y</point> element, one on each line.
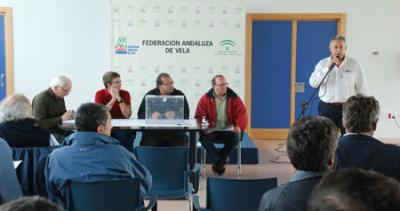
<point>121,195</point>
<point>235,194</point>
<point>30,173</point>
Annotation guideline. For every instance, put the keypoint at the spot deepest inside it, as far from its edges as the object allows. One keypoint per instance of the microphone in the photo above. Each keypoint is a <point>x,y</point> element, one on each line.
<point>333,64</point>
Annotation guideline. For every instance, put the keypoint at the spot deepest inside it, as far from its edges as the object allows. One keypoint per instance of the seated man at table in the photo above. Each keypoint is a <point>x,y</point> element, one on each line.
<point>17,125</point>
<point>119,103</point>
<point>223,108</point>
<point>49,107</point>
<point>165,86</point>
<point>92,155</point>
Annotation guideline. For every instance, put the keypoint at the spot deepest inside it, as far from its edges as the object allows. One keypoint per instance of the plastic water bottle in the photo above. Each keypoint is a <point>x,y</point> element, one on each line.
<point>204,122</point>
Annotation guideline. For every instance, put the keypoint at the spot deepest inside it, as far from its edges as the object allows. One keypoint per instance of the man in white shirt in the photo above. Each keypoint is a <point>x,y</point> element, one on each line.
<point>344,78</point>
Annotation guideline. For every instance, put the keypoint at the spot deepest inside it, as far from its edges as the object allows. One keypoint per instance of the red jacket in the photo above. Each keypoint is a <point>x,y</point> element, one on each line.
<point>236,114</point>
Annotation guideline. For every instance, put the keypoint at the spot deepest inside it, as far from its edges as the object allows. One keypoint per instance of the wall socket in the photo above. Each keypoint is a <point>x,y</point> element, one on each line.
<point>391,115</point>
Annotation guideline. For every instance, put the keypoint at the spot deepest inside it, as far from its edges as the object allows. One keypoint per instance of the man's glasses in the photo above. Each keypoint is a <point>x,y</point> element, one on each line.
<point>168,84</point>
<point>65,90</point>
<point>224,84</point>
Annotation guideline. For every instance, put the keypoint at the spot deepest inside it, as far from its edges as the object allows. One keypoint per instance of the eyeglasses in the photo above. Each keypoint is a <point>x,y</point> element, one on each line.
<point>117,82</point>
<point>168,84</point>
<point>224,84</point>
<point>65,90</point>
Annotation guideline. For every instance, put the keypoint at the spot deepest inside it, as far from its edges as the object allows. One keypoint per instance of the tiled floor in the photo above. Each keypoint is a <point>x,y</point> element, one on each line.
<point>269,151</point>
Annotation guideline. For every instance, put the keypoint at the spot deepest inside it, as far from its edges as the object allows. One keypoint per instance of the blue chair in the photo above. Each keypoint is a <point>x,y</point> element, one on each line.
<point>169,169</point>
<point>121,195</point>
<point>235,194</point>
<point>30,173</point>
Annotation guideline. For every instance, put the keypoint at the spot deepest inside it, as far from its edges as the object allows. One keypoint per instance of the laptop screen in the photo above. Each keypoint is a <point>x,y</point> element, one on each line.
<point>164,107</point>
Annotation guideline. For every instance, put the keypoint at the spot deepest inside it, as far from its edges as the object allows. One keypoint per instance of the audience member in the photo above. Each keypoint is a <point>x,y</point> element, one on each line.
<point>17,125</point>
<point>223,109</point>
<point>9,185</point>
<point>311,147</point>
<point>355,190</point>
<point>92,155</point>
<point>31,203</point>
<point>358,148</point>
<point>165,86</point>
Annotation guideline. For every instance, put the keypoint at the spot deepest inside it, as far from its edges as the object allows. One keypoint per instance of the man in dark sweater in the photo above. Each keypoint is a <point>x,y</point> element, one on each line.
<point>358,148</point>
<point>49,107</point>
<point>311,146</point>
<point>165,86</point>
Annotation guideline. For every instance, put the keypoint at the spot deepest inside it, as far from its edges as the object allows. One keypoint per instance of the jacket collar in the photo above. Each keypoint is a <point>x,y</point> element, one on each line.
<point>89,138</point>
<point>302,175</point>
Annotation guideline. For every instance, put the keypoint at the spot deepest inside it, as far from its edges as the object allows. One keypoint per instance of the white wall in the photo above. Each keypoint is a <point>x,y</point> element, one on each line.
<point>72,37</point>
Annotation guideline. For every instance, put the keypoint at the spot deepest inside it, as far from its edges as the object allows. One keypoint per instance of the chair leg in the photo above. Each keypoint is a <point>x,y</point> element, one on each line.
<point>190,199</point>
<point>203,162</point>
<point>239,160</point>
<point>154,208</point>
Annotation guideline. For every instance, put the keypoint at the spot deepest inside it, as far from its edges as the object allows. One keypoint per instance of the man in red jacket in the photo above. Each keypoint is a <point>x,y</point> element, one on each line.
<point>227,117</point>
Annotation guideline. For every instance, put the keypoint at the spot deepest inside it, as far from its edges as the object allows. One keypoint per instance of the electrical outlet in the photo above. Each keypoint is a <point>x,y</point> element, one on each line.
<point>391,115</point>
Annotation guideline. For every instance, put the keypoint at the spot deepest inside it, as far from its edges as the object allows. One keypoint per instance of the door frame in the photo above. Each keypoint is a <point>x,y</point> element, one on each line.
<point>9,49</point>
<point>281,133</point>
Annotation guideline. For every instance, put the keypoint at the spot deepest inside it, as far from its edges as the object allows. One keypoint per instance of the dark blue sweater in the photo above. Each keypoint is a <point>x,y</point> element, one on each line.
<point>24,133</point>
<point>366,152</point>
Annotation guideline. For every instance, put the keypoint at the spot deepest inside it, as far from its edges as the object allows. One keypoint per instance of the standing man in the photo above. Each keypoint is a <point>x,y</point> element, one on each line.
<point>223,109</point>
<point>344,79</point>
<point>119,103</point>
<point>165,86</point>
<point>49,107</point>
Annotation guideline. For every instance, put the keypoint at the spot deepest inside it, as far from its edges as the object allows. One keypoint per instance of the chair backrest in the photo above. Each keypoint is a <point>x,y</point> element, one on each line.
<point>121,195</point>
<point>168,167</point>
<point>30,172</point>
<point>237,194</point>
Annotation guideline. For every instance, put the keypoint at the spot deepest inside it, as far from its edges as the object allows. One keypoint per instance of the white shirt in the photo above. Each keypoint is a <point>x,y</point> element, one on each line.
<point>343,82</point>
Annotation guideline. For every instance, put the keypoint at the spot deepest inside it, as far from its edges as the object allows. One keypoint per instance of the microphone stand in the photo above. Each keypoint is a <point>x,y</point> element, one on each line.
<point>304,104</point>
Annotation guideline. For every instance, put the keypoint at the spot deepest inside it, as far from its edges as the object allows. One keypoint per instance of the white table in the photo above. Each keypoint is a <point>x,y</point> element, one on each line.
<point>189,125</point>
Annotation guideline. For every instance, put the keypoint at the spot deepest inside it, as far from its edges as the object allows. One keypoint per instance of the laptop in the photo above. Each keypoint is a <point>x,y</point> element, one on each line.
<point>164,109</point>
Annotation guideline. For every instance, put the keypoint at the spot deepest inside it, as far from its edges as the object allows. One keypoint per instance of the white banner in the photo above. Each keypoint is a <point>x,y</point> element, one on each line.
<point>192,40</point>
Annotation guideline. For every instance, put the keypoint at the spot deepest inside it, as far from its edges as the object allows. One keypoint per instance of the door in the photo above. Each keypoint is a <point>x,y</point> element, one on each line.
<point>281,53</point>
<point>6,59</point>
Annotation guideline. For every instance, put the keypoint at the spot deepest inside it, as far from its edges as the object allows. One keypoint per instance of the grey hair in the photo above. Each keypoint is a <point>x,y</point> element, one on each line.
<point>60,81</point>
<point>338,38</point>
<point>360,113</point>
<point>15,107</point>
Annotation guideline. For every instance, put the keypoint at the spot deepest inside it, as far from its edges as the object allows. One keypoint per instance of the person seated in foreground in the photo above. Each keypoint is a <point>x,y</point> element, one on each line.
<point>91,155</point>
<point>311,147</point>
<point>17,125</point>
<point>355,190</point>
<point>358,147</point>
